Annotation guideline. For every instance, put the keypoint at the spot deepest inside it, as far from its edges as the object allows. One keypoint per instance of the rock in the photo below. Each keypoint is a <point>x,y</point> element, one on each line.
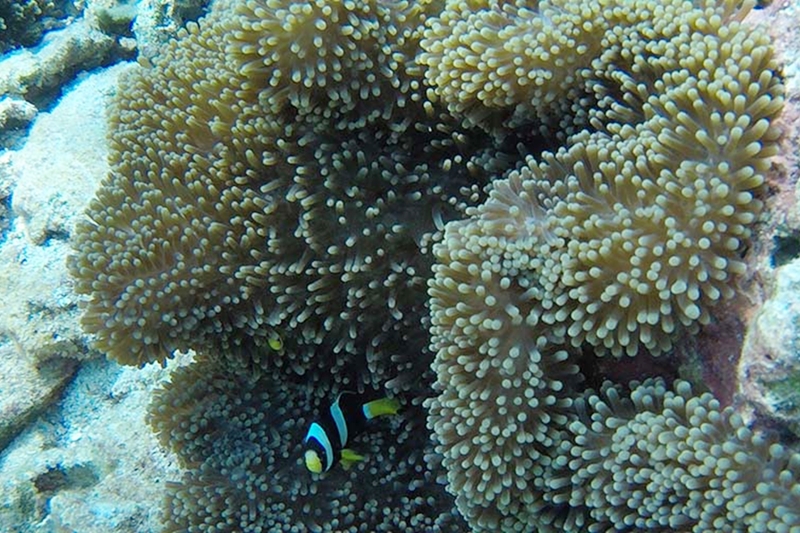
<point>91,464</point>
<point>113,17</point>
<point>24,22</point>
<point>769,369</point>
<point>15,115</point>
<point>25,391</point>
<point>50,180</point>
<point>40,312</point>
<point>63,160</point>
<point>6,186</point>
<point>15,112</point>
<point>781,19</point>
<point>38,74</point>
<point>79,455</point>
<point>158,21</point>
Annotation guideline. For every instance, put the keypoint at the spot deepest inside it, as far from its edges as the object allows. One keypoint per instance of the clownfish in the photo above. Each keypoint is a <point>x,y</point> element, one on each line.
<point>327,437</point>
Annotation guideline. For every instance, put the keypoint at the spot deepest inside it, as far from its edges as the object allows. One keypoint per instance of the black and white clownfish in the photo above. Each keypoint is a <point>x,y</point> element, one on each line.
<point>327,437</point>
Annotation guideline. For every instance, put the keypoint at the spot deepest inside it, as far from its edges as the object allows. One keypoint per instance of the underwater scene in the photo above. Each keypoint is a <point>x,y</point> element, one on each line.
<point>398,266</point>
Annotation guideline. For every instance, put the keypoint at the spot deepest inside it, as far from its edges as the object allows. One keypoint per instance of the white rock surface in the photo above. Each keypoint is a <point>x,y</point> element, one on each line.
<point>33,73</point>
<point>82,458</point>
<point>91,464</point>
<point>64,159</point>
<point>51,180</point>
<point>769,368</point>
<point>15,111</point>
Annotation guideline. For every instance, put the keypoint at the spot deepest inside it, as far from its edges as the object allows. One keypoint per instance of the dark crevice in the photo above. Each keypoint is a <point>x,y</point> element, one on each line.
<point>62,477</point>
<point>786,248</point>
<point>51,235</point>
<point>5,218</point>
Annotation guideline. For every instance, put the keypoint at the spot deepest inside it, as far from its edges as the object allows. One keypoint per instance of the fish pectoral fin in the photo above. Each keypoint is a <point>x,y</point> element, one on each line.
<point>349,458</point>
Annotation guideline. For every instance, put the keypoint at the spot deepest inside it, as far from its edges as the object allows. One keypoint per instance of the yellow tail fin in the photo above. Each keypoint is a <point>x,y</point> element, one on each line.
<point>383,406</point>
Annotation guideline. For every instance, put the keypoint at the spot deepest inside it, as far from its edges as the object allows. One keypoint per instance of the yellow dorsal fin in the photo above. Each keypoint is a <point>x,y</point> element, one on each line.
<point>383,406</point>
<point>349,458</point>
<point>275,342</point>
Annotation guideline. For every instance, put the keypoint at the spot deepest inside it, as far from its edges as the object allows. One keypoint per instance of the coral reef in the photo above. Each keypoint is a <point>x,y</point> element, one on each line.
<point>24,21</point>
<point>615,244</point>
<point>336,60</point>
<point>157,21</point>
<point>279,176</point>
<point>667,460</point>
<point>237,210</point>
<point>15,115</point>
<point>39,75</point>
<point>113,17</point>
<point>242,441</point>
<point>528,61</point>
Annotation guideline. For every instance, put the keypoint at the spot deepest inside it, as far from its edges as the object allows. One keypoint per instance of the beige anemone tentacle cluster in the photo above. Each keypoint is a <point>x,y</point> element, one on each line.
<point>277,172</point>
<point>616,243</point>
